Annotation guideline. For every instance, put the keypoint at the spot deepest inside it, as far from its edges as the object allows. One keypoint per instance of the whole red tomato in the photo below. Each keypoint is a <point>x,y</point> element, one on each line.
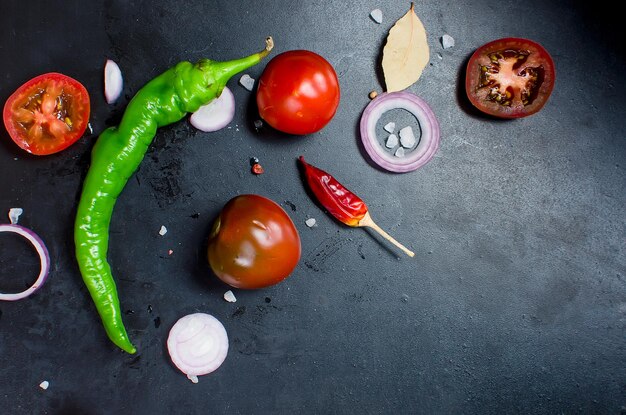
<point>298,92</point>
<point>510,78</point>
<point>254,243</point>
<point>47,114</point>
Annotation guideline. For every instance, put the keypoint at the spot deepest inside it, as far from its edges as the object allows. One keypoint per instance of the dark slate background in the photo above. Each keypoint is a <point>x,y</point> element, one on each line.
<point>514,303</point>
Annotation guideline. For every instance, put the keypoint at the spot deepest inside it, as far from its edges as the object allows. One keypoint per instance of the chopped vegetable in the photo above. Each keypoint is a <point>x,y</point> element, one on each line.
<point>41,249</point>
<point>447,41</point>
<point>341,203</point>
<point>197,344</point>
<point>117,154</point>
<point>406,53</point>
<point>247,82</point>
<point>113,81</point>
<point>215,115</point>
<point>47,114</point>
<point>230,297</point>
<point>429,140</point>
<point>377,15</point>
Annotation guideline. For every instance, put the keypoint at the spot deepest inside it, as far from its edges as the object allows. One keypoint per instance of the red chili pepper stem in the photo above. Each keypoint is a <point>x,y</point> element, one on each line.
<point>368,222</point>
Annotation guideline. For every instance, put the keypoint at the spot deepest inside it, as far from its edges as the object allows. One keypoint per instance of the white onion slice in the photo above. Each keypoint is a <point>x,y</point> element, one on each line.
<point>44,258</point>
<point>429,141</point>
<point>113,81</point>
<point>215,115</point>
<point>197,344</point>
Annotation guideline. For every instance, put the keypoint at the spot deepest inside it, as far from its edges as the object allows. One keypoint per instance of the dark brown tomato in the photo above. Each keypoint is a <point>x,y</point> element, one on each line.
<point>510,78</point>
<point>254,243</point>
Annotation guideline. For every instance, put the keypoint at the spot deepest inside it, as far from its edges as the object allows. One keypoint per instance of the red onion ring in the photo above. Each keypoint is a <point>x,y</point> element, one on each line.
<point>44,258</point>
<point>197,344</point>
<point>428,143</point>
<point>215,115</point>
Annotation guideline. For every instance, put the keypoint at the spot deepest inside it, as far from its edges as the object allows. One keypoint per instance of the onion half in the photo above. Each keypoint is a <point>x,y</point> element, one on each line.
<point>429,141</point>
<point>215,115</point>
<point>197,344</point>
<point>44,259</point>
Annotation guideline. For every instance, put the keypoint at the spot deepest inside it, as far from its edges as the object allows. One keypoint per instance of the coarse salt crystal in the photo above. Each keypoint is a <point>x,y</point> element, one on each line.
<point>392,141</point>
<point>407,138</point>
<point>230,297</point>
<point>44,385</point>
<point>390,127</point>
<point>247,82</point>
<point>163,230</point>
<point>447,41</point>
<point>310,222</point>
<point>399,152</point>
<point>377,15</point>
<point>14,215</point>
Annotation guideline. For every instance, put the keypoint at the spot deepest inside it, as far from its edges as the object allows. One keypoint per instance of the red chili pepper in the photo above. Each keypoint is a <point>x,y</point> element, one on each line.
<point>344,205</point>
<point>340,202</point>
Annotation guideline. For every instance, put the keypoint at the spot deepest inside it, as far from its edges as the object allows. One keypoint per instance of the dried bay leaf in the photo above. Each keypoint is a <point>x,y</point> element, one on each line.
<point>406,53</point>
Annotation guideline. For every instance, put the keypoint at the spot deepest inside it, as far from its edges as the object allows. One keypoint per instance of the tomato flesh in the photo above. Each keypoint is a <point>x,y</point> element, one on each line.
<point>253,244</point>
<point>510,78</point>
<point>298,92</point>
<point>47,114</point>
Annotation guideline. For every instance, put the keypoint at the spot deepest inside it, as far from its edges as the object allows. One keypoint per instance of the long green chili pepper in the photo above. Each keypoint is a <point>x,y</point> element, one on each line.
<point>117,155</point>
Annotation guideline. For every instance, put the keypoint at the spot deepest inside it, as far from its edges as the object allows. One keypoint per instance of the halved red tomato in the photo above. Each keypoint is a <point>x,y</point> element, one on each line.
<point>47,114</point>
<point>510,77</point>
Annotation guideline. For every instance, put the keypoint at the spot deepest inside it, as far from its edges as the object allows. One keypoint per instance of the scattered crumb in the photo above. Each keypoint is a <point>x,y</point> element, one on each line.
<point>257,169</point>
<point>247,82</point>
<point>230,297</point>
<point>447,41</point>
<point>392,141</point>
<point>373,94</point>
<point>163,230</point>
<point>170,252</point>
<point>439,55</point>
<point>390,127</point>
<point>399,152</point>
<point>377,15</point>
<point>310,222</point>
<point>44,385</point>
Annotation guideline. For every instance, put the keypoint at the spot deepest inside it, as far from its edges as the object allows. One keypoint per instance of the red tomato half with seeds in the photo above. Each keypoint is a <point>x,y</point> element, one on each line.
<point>298,92</point>
<point>510,77</point>
<point>47,114</point>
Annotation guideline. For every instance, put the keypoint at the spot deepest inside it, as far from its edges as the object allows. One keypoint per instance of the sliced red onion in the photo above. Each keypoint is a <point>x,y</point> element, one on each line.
<point>113,81</point>
<point>428,143</point>
<point>197,344</point>
<point>215,115</point>
<point>42,251</point>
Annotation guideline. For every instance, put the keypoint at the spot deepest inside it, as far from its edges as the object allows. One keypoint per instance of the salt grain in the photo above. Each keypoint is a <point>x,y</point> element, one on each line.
<point>399,152</point>
<point>14,215</point>
<point>310,222</point>
<point>407,138</point>
<point>163,230</point>
<point>247,82</point>
<point>447,41</point>
<point>392,141</point>
<point>390,127</point>
<point>44,385</point>
<point>230,297</point>
<point>377,16</point>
